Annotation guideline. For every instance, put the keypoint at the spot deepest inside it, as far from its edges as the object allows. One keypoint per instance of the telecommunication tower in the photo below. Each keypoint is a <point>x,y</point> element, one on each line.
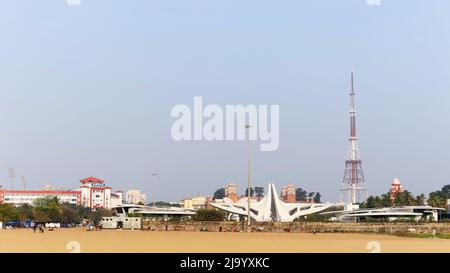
<point>354,188</point>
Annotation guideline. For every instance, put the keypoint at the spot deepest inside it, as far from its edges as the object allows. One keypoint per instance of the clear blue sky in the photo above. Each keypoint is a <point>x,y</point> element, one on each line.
<point>87,90</point>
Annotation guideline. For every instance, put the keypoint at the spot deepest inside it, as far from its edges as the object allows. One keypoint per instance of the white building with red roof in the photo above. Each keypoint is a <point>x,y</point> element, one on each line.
<point>94,193</point>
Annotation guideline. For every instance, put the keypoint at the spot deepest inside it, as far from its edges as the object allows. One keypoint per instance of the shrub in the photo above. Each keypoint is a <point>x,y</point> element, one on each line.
<point>209,215</point>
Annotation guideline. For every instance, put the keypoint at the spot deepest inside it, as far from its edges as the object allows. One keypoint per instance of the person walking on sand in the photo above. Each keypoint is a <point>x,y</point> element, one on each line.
<point>314,232</point>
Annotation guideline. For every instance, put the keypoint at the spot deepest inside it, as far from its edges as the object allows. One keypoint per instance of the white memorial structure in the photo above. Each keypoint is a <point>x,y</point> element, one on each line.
<point>270,208</point>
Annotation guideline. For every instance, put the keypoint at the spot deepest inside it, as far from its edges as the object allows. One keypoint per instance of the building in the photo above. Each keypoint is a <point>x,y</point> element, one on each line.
<point>94,193</point>
<point>288,194</point>
<point>121,222</point>
<point>270,208</point>
<point>199,202</point>
<point>19,197</point>
<point>155,213</point>
<point>415,213</point>
<point>48,188</point>
<point>231,192</point>
<point>395,188</point>
<point>135,197</point>
<point>116,199</point>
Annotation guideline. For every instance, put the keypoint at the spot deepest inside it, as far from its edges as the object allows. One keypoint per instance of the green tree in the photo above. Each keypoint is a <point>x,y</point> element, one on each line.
<point>70,214</point>
<point>378,202</point>
<point>300,194</point>
<point>259,191</point>
<point>439,198</point>
<point>445,192</point>
<point>84,211</point>
<point>8,213</point>
<point>386,200</point>
<point>46,202</point>
<point>209,215</point>
<point>25,212</point>
<point>404,199</point>
<point>435,200</point>
<point>48,209</point>
<point>162,204</point>
<point>420,200</point>
<point>219,194</point>
<point>252,192</point>
<point>40,215</point>
<point>370,203</point>
<point>317,197</point>
<point>98,214</point>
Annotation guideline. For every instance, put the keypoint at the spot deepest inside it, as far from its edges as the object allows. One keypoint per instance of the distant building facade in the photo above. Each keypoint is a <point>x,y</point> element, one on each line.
<point>199,202</point>
<point>231,192</point>
<point>135,197</point>
<point>288,194</point>
<point>20,197</point>
<point>116,199</point>
<point>93,193</point>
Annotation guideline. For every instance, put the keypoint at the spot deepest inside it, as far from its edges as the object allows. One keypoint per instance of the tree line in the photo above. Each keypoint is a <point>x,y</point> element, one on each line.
<point>50,210</point>
<point>435,199</point>
<point>300,194</point>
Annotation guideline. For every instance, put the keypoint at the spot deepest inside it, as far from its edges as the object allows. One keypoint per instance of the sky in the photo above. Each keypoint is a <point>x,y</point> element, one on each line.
<point>87,90</point>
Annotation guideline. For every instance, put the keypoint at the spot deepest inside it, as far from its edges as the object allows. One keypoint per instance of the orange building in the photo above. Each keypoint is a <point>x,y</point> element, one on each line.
<point>288,194</point>
<point>396,187</point>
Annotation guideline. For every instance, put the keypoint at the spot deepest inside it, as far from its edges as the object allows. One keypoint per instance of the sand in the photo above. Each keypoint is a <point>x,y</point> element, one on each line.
<point>78,240</point>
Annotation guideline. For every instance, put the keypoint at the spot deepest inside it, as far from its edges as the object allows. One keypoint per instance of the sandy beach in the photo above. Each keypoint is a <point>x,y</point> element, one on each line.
<point>113,241</point>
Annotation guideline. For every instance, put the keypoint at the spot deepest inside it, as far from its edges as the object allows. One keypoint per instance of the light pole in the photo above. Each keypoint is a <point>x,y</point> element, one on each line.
<point>249,221</point>
<point>154,182</point>
<point>12,175</point>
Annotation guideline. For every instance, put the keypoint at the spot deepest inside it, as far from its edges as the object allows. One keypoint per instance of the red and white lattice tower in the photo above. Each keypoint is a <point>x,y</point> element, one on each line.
<point>354,188</point>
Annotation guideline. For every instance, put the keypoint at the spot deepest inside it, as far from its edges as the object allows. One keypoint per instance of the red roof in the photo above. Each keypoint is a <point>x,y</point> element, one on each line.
<point>92,180</point>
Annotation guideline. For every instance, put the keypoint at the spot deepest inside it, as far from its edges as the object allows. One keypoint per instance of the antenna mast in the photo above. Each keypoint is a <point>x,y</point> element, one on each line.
<point>354,188</point>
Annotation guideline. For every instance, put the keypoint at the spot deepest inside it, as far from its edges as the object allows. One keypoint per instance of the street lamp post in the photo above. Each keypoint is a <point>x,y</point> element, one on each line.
<point>247,126</point>
<point>12,175</point>
<point>154,182</point>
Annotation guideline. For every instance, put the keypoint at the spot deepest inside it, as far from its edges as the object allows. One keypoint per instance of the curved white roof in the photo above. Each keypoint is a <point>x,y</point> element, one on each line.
<point>271,208</point>
<point>147,210</point>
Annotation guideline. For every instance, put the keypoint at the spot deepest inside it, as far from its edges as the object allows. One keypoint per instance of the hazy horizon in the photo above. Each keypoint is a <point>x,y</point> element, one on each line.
<point>88,90</point>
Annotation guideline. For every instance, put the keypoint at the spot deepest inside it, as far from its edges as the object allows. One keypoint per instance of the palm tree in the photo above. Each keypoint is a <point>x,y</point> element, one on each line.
<point>420,200</point>
<point>259,191</point>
